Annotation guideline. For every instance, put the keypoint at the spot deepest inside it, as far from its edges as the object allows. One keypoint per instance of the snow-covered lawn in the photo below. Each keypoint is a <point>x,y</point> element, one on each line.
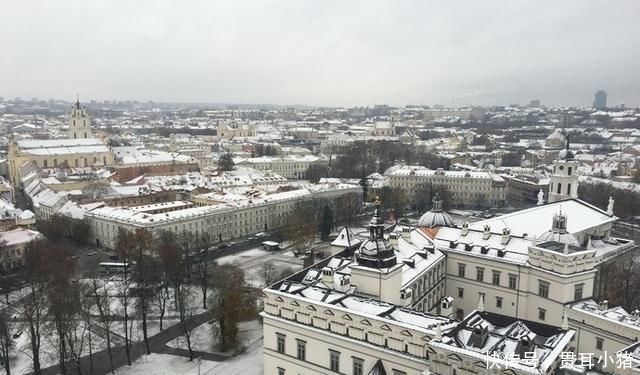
<point>242,256</point>
<point>204,338</point>
<point>247,363</point>
<point>166,364</point>
<point>21,357</point>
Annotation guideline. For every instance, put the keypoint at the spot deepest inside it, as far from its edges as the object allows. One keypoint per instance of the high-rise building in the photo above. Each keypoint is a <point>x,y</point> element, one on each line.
<point>600,99</point>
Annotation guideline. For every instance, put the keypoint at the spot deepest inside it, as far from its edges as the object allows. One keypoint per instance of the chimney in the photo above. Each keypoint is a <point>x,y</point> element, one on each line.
<point>603,305</point>
<point>487,232</point>
<point>479,334</point>
<point>327,276</point>
<point>438,336</point>
<point>526,345</point>
<point>506,236</point>
<point>465,229</point>
<point>393,239</point>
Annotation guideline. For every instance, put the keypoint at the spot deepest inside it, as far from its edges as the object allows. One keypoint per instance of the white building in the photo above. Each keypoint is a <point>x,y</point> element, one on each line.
<point>518,284</point>
<point>218,215</point>
<point>290,166</point>
<point>467,188</point>
<point>373,311</point>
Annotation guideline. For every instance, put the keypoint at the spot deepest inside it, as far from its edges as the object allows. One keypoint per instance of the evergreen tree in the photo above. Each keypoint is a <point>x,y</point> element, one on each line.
<point>327,222</point>
<point>225,163</point>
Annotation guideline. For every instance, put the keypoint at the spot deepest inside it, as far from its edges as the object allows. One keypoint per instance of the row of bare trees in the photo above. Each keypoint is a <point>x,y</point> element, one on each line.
<point>81,314</point>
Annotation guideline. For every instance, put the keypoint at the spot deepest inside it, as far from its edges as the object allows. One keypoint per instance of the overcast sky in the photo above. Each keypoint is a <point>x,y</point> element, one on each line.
<point>339,53</point>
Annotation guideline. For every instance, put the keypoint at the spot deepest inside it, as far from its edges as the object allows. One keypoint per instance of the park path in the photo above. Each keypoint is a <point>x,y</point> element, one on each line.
<point>101,365</point>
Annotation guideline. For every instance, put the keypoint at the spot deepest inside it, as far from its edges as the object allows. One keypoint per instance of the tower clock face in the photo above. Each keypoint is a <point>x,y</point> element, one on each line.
<point>561,167</point>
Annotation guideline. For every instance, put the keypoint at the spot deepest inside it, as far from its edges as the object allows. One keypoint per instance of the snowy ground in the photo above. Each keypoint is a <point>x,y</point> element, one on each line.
<point>165,364</point>
<point>204,337</point>
<point>248,363</point>
<point>252,263</point>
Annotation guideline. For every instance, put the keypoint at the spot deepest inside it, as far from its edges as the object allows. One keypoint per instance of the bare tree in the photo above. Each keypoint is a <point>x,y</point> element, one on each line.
<point>123,247</point>
<point>100,296</point>
<point>6,342</point>
<point>183,293</point>
<point>144,274</point>
<point>232,302</point>
<point>31,302</point>
<point>301,226</point>
<point>202,267</point>
<point>62,297</point>
<point>269,273</point>
<point>169,259</point>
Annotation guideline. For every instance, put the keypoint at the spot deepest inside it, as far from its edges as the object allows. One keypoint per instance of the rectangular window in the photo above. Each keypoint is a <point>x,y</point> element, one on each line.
<point>513,281</point>
<point>302,350</point>
<point>398,372</point>
<point>460,293</point>
<point>599,343</point>
<point>542,314</point>
<point>459,314</point>
<point>280,343</point>
<point>358,366</point>
<point>496,278</point>
<point>334,360</point>
<point>543,289</point>
<point>461,269</point>
<point>479,273</point>
<point>577,292</point>
<point>569,171</point>
<point>499,302</point>
<point>280,371</point>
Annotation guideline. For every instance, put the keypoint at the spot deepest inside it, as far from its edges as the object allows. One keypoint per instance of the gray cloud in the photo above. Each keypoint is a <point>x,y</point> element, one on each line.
<point>322,52</point>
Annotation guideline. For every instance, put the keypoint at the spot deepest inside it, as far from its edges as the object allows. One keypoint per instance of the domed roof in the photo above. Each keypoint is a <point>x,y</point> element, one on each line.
<point>566,238</point>
<point>558,232</point>
<point>376,252</point>
<point>436,217</point>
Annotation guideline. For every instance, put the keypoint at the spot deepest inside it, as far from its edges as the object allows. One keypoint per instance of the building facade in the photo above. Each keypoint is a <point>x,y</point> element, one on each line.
<point>467,188</point>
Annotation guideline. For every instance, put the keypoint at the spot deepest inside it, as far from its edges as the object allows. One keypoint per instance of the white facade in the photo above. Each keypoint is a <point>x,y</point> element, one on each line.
<point>563,183</point>
<point>467,188</point>
<point>522,280</point>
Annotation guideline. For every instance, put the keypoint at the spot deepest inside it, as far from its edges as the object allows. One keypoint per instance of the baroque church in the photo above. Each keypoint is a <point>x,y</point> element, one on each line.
<point>79,149</point>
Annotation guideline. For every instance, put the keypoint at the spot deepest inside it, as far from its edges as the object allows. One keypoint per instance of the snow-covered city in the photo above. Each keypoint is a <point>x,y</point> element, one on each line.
<point>299,187</point>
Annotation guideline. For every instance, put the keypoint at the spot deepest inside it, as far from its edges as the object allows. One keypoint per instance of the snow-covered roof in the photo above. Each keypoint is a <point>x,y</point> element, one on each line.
<point>18,236</point>
<point>346,238</point>
<point>535,221</point>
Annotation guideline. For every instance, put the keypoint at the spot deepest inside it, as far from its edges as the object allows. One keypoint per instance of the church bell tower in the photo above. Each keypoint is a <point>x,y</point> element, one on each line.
<point>79,123</point>
<point>563,183</point>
